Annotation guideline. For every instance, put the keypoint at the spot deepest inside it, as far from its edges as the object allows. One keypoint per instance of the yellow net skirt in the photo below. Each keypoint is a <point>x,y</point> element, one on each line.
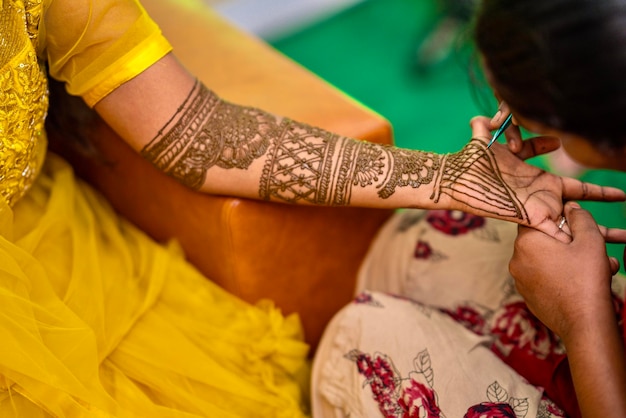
<point>98,320</point>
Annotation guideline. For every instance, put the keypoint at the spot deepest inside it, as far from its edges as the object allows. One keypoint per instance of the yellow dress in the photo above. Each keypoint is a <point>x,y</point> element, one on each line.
<point>96,319</point>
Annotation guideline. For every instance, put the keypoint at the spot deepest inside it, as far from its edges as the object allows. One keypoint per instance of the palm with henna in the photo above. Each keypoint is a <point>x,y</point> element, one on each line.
<point>502,185</point>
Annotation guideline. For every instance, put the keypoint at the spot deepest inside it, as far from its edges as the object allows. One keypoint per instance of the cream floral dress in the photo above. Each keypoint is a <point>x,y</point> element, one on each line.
<point>437,329</point>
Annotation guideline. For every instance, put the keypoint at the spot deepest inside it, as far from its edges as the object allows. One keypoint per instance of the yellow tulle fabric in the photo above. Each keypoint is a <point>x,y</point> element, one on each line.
<point>97,320</point>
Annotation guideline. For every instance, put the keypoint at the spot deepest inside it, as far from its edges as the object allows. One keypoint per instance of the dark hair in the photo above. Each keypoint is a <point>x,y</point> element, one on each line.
<point>559,62</point>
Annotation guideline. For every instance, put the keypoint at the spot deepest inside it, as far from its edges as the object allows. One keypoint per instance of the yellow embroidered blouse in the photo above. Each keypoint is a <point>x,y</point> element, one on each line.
<point>92,45</point>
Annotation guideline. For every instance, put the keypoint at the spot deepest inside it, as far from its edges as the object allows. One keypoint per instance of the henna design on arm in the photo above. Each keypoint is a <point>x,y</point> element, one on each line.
<point>312,165</point>
<point>205,132</point>
<point>472,177</point>
<point>304,164</point>
<point>409,168</point>
<point>300,166</point>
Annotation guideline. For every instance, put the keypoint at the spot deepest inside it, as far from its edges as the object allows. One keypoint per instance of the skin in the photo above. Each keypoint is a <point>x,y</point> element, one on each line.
<point>240,151</point>
<point>552,275</point>
<point>548,269</point>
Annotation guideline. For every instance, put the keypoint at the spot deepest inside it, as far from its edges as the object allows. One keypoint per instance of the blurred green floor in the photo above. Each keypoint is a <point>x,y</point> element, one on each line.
<point>369,51</point>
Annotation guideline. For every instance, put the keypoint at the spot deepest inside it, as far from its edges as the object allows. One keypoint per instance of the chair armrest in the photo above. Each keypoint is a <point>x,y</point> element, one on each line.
<point>304,258</point>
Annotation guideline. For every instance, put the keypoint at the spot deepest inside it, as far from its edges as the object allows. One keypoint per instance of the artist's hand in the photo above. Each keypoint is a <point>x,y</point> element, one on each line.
<point>512,134</point>
<point>540,193</point>
<point>565,284</point>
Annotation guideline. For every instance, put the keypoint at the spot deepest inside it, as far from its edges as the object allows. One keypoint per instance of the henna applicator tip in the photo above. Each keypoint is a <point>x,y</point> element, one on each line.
<point>502,128</point>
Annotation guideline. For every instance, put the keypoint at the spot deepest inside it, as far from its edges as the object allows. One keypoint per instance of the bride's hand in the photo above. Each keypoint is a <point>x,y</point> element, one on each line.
<point>541,194</point>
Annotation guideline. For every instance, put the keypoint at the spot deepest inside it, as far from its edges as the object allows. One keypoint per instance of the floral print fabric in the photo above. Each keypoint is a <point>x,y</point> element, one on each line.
<point>455,341</point>
<point>390,357</point>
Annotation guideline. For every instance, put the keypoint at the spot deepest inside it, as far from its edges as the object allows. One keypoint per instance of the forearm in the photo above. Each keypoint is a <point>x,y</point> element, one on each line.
<point>598,367</point>
<point>218,147</point>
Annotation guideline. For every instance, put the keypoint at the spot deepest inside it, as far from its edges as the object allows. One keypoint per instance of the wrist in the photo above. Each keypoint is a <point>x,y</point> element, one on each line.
<point>590,323</point>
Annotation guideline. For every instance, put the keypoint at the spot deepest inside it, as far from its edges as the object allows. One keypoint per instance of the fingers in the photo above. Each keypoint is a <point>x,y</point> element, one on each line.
<point>564,232</point>
<point>549,227</point>
<point>563,226</point>
<point>613,235</point>
<point>581,223</point>
<point>501,114</point>
<point>614,264</point>
<point>481,127</point>
<point>538,146</point>
<point>514,139</point>
<point>513,135</point>
<point>559,230</point>
<point>577,190</point>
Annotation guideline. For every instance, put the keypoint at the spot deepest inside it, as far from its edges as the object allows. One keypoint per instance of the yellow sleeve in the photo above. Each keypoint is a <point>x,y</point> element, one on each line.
<point>94,46</point>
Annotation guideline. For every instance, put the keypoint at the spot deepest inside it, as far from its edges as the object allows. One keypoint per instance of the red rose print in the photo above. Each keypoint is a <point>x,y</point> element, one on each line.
<point>490,410</point>
<point>454,222</point>
<point>469,317</point>
<point>422,250</point>
<point>418,401</point>
<point>363,298</point>
<point>397,397</point>
<point>551,408</point>
<point>381,378</point>
<point>516,326</point>
<point>499,405</point>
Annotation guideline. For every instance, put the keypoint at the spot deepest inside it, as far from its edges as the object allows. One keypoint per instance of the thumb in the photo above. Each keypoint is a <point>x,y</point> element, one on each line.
<point>581,223</point>
<point>480,127</point>
<point>614,263</point>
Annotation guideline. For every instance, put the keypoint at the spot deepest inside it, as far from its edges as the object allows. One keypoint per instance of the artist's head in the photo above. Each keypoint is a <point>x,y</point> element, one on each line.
<point>561,67</point>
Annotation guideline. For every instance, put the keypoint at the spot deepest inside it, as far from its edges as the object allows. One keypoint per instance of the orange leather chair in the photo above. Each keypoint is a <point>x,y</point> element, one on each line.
<point>304,258</point>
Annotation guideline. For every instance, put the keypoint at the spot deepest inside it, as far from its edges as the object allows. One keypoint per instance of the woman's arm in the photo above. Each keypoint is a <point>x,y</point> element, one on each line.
<point>598,366</point>
<point>187,131</point>
<point>568,287</point>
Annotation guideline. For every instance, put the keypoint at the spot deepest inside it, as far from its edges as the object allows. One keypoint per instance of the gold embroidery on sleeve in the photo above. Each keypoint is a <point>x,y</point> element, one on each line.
<point>23,102</point>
